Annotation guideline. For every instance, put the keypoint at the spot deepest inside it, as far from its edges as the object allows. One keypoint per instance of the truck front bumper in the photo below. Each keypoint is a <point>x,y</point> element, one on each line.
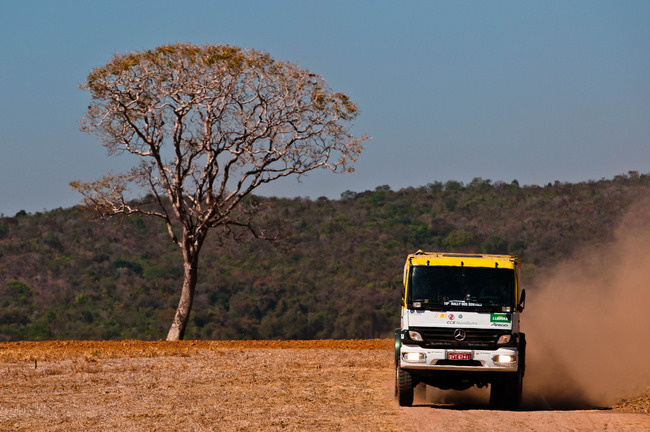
<point>498,360</point>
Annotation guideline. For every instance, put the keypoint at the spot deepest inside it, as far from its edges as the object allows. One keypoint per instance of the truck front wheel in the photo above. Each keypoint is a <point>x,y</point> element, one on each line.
<point>403,387</point>
<point>505,393</point>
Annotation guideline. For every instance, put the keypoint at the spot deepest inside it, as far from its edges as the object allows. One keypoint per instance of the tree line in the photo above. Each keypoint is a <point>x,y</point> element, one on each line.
<point>335,272</point>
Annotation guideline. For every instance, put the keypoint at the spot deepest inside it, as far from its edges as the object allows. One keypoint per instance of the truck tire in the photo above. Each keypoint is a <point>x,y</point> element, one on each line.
<point>403,387</point>
<point>505,394</point>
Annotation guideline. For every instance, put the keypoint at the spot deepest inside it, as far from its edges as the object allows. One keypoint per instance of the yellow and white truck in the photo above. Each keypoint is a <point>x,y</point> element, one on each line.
<point>460,326</point>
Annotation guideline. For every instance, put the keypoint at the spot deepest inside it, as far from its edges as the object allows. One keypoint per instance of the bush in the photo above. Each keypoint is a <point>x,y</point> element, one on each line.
<point>458,239</point>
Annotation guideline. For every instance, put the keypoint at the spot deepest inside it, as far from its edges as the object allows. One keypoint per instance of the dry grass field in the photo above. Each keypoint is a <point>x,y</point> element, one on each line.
<point>197,386</point>
<point>241,386</point>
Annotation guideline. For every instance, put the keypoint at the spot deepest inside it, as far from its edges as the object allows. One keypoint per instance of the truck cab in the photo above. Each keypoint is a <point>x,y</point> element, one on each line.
<point>460,326</point>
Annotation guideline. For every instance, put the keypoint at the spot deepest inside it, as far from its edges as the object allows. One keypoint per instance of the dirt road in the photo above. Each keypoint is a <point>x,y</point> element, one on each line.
<point>452,419</point>
<point>470,412</point>
<point>245,386</point>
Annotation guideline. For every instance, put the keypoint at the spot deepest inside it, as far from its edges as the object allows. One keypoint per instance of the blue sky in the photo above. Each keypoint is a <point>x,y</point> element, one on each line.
<point>503,90</point>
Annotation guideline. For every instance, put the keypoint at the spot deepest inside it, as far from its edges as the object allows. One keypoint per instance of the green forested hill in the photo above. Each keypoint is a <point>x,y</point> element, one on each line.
<point>336,274</point>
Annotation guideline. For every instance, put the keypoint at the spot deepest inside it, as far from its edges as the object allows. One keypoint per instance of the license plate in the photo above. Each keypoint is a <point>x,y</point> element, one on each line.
<point>458,356</point>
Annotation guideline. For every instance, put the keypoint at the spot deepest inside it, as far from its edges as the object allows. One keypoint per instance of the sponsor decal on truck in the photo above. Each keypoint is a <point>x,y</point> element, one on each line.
<point>500,320</point>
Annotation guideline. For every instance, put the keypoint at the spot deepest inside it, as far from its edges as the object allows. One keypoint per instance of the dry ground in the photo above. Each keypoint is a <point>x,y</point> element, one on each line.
<point>243,386</point>
<point>196,386</point>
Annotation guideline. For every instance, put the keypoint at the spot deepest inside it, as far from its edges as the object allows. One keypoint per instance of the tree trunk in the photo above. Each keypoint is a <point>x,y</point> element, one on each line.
<point>190,266</point>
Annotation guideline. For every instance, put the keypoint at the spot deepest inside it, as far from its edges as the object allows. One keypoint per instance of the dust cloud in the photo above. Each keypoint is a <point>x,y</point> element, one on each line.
<point>587,322</point>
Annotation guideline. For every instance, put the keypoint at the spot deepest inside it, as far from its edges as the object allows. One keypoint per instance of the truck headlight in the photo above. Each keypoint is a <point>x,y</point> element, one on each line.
<point>415,336</point>
<point>414,357</point>
<point>505,359</point>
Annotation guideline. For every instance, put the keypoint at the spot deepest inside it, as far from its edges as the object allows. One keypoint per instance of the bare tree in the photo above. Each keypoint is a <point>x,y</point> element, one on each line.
<point>209,124</point>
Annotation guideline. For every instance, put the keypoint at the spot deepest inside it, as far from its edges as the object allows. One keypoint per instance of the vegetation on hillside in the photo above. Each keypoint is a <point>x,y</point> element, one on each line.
<point>336,273</point>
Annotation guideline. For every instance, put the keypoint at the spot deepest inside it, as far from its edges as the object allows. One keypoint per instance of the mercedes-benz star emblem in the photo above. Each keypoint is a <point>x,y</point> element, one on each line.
<point>459,334</point>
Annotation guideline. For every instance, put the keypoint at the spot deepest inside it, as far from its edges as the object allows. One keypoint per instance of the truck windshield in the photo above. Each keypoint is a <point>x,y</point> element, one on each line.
<point>465,287</point>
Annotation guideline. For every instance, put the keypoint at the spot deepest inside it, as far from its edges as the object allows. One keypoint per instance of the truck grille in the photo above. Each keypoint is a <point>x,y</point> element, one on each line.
<point>444,337</point>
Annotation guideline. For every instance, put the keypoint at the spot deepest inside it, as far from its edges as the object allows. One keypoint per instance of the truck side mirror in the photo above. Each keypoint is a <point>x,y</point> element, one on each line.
<point>403,291</point>
<point>522,301</point>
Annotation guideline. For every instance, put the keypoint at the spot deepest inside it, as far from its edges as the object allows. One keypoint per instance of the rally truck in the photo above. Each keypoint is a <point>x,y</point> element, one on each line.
<point>460,326</point>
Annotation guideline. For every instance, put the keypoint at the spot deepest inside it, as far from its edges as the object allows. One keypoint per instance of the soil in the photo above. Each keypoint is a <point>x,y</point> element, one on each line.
<point>327,385</point>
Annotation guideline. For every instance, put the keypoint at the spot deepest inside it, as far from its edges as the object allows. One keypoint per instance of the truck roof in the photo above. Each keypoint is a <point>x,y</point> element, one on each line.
<point>459,259</point>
